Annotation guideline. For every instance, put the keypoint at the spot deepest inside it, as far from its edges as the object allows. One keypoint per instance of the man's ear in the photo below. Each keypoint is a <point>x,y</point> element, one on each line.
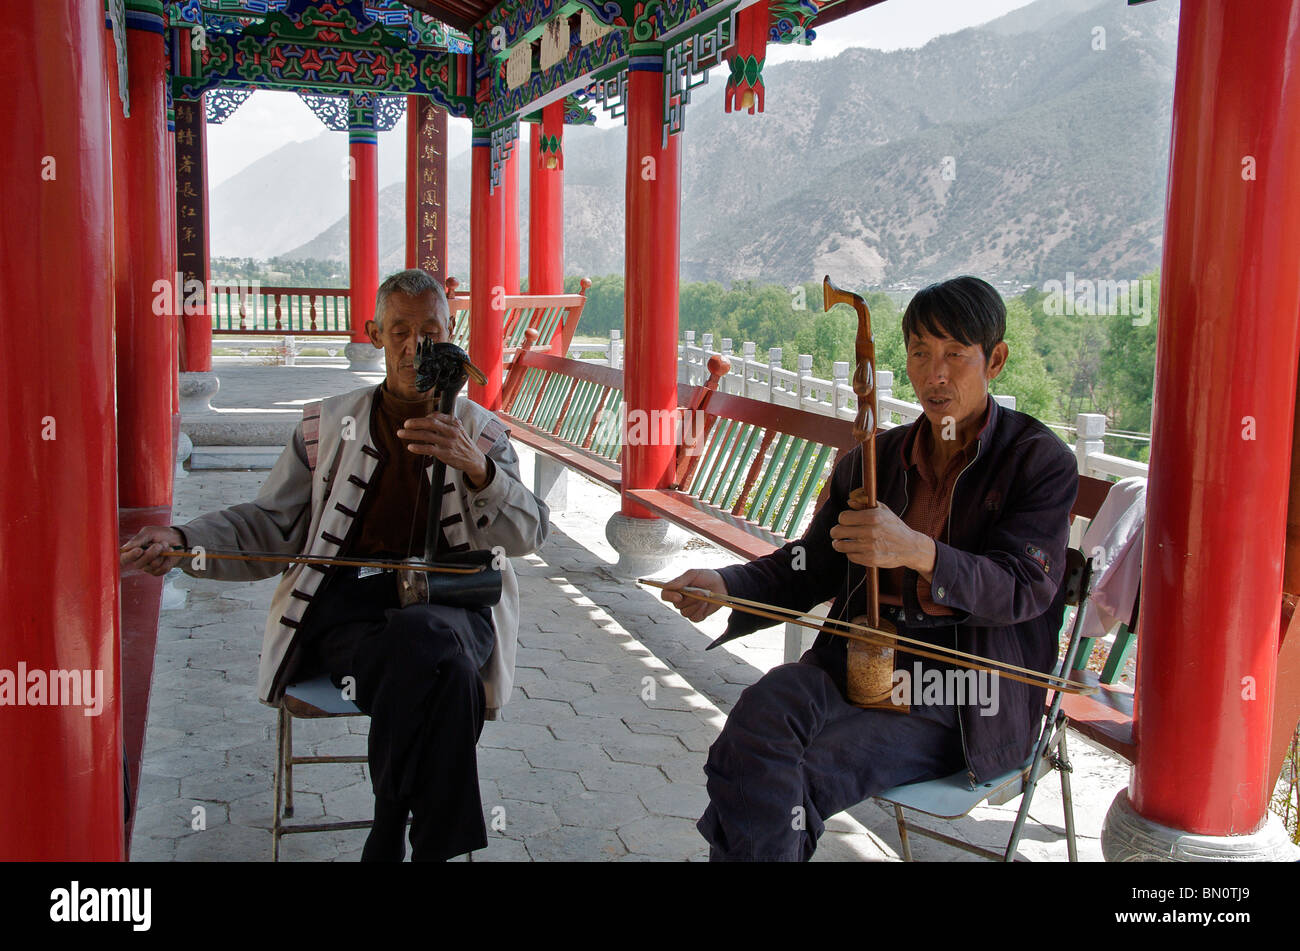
<point>372,331</point>
<point>998,359</point>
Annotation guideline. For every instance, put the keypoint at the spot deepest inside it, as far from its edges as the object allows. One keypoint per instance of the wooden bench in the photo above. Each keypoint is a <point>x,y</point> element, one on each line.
<point>745,476</point>
<point>554,317</point>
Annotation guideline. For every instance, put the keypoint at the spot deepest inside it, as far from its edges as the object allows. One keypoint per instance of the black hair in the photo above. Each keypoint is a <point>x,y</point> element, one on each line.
<point>965,308</point>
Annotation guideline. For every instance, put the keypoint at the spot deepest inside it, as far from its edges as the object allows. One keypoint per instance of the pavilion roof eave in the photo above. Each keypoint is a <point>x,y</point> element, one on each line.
<point>459,14</point>
<point>464,14</point>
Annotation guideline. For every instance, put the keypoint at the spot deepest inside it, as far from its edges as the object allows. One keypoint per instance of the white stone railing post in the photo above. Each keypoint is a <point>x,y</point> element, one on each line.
<point>884,391</point>
<point>803,369</point>
<point>615,348</point>
<point>840,382</point>
<point>1089,438</point>
<point>773,365</point>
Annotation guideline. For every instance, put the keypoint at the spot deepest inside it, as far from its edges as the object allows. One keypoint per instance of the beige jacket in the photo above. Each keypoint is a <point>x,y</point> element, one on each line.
<point>298,513</point>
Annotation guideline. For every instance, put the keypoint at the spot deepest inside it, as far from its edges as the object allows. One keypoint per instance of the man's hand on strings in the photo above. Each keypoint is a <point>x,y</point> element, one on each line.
<point>877,537</point>
<point>444,438</point>
<point>145,551</point>
<point>692,608</point>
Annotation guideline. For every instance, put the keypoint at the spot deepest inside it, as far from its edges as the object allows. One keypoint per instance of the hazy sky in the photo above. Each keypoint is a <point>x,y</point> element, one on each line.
<point>269,120</point>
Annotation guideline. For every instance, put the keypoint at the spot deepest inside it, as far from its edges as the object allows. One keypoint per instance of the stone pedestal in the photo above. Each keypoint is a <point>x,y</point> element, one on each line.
<point>173,598</point>
<point>551,482</point>
<point>1129,837</point>
<point>644,545</point>
<point>196,391</point>
<point>364,356</point>
<point>184,446</point>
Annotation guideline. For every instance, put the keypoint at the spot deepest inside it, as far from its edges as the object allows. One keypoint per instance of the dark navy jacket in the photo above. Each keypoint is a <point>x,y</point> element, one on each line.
<point>1000,569</point>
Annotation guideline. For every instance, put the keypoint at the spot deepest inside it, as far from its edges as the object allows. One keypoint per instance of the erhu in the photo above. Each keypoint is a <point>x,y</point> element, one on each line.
<point>443,368</point>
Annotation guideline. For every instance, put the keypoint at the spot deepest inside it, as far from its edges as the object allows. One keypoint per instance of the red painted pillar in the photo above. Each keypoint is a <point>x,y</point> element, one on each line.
<point>1224,399</point>
<point>61,785</point>
<point>363,227</point>
<point>487,274</point>
<point>413,181</point>
<point>546,203</point>
<point>192,135</point>
<point>652,252</point>
<point>510,220</point>
<point>147,311</point>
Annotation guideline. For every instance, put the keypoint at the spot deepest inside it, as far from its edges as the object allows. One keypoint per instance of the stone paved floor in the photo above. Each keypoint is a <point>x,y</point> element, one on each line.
<point>597,757</point>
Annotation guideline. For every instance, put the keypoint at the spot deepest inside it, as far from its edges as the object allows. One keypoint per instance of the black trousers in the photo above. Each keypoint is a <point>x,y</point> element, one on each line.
<point>794,752</point>
<point>416,671</point>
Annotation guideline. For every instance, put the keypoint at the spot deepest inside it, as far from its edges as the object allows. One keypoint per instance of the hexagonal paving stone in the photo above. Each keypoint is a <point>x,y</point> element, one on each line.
<point>620,777</point>
<point>225,843</point>
<point>573,844</point>
<point>591,729</point>
<point>682,800</point>
<point>514,736</point>
<point>517,818</point>
<point>662,837</point>
<point>566,754</point>
<point>538,785</point>
<point>494,762</point>
<point>565,690</point>
<point>183,761</point>
<point>603,810</point>
<point>222,785</point>
<point>646,748</point>
<point>537,712</point>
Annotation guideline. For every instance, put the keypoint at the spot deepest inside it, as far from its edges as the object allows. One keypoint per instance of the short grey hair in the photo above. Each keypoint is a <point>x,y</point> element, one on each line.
<point>412,282</point>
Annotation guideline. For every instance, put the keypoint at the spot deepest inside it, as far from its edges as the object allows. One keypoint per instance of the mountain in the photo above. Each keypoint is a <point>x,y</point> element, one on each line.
<point>1033,145</point>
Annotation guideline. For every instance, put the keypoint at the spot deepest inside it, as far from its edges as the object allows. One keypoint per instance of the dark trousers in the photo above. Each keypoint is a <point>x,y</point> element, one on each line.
<point>417,675</point>
<point>794,752</point>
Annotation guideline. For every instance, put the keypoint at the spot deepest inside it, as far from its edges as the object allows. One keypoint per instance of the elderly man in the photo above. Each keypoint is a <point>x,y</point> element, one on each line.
<point>973,559</point>
<point>354,481</point>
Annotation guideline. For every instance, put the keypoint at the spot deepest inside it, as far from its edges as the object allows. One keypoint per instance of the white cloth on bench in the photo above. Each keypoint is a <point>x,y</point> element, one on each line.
<point>1117,530</point>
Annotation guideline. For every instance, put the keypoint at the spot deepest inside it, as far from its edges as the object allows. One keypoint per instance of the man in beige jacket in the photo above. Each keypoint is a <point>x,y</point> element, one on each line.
<point>354,481</point>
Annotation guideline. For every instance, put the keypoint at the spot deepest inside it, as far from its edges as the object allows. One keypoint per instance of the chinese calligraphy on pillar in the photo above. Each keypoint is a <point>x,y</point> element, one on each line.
<point>431,173</point>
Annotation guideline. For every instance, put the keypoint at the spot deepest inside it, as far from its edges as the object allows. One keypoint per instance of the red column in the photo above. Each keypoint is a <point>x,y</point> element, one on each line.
<point>61,785</point>
<point>194,263</point>
<point>1224,398</point>
<point>147,311</point>
<point>653,233</point>
<point>510,220</point>
<point>363,228</point>
<point>546,205</point>
<point>487,275</point>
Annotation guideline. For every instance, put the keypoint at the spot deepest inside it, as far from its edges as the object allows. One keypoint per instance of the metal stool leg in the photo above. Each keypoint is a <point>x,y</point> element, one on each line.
<point>288,764</point>
<point>1067,800</point>
<point>279,784</point>
<point>902,832</point>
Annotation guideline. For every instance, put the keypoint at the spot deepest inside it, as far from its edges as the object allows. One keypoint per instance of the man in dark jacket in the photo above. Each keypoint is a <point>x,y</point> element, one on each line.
<point>974,560</point>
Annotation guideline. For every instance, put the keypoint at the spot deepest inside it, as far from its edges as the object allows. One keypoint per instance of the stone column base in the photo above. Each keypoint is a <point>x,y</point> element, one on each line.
<point>551,482</point>
<point>364,356</point>
<point>184,446</point>
<point>1129,837</point>
<point>173,598</point>
<point>644,545</point>
<point>196,392</point>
